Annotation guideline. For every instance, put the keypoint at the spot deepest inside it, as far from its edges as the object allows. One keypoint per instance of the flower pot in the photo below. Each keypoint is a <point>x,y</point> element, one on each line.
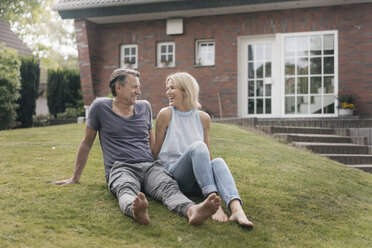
<point>345,112</point>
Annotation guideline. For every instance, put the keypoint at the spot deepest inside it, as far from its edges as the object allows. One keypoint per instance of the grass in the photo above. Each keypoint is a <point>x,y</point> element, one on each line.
<point>295,198</point>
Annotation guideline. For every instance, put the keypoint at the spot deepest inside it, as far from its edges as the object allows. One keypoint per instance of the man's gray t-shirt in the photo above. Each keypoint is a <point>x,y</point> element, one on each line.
<point>122,139</point>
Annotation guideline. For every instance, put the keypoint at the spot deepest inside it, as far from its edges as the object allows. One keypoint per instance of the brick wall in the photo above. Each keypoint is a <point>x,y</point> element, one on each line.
<point>99,47</point>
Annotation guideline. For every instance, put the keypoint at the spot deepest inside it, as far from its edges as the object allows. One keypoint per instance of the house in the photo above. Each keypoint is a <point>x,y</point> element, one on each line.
<point>41,101</point>
<point>11,40</point>
<point>251,58</point>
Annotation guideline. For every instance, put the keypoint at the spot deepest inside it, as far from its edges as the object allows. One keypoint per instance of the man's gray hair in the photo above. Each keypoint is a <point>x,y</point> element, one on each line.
<point>120,76</point>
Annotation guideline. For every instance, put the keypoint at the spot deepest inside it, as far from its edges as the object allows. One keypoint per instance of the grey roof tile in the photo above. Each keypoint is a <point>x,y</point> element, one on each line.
<point>12,40</point>
<point>86,4</point>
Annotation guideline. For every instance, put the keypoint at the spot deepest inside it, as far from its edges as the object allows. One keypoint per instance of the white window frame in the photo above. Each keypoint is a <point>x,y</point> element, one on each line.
<point>278,74</point>
<point>167,54</point>
<point>199,61</point>
<point>335,72</point>
<point>130,56</point>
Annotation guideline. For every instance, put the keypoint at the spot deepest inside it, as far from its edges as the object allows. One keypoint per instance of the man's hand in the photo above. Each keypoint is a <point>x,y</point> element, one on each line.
<point>64,182</point>
<point>81,158</point>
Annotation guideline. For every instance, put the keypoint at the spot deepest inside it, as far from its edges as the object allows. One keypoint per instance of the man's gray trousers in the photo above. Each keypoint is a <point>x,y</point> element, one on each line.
<point>125,181</point>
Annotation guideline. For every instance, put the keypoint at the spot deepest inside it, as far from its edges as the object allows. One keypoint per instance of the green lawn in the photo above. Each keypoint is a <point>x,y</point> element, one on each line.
<point>294,198</point>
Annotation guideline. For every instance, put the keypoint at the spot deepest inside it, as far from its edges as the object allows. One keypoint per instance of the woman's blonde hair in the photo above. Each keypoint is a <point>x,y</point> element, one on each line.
<point>188,84</point>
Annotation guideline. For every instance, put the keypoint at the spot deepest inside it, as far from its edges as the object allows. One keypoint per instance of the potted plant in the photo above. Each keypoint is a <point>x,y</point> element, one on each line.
<point>164,61</point>
<point>129,62</point>
<point>345,103</point>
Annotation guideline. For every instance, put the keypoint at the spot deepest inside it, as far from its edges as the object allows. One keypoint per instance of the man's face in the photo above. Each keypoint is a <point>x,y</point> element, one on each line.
<point>131,90</point>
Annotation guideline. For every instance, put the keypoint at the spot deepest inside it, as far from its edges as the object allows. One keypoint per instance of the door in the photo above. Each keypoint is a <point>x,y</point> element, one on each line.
<point>258,74</point>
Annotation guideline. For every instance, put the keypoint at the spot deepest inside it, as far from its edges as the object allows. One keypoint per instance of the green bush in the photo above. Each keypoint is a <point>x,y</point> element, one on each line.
<point>71,113</point>
<point>63,91</point>
<point>9,80</point>
<point>55,92</point>
<point>30,77</point>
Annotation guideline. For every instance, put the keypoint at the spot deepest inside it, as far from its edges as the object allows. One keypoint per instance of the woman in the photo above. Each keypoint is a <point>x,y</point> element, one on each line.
<point>182,143</point>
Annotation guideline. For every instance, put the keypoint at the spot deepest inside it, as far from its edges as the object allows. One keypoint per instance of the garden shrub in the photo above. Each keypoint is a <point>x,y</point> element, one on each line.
<point>64,91</point>
<point>30,78</point>
<point>9,80</point>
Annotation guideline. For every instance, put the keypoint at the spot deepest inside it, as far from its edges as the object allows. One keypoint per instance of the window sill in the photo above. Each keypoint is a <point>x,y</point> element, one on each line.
<point>165,67</point>
<point>197,66</point>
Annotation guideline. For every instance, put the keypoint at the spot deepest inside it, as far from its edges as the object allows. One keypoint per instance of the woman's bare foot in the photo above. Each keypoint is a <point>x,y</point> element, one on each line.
<point>199,213</point>
<point>238,214</point>
<point>139,210</point>
<point>240,217</point>
<point>220,215</point>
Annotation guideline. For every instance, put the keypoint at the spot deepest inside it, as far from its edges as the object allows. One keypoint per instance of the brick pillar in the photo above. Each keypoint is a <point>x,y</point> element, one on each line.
<point>83,30</point>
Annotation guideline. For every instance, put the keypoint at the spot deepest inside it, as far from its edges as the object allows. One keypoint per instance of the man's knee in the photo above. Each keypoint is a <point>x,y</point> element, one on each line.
<point>159,184</point>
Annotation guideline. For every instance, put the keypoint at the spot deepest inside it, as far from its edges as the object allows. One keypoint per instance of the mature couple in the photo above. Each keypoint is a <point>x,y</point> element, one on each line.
<point>184,165</point>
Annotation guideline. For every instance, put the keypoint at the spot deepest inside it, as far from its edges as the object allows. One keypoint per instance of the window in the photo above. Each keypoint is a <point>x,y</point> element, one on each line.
<point>309,73</point>
<point>128,56</point>
<point>204,52</point>
<point>259,78</point>
<point>166,54</point>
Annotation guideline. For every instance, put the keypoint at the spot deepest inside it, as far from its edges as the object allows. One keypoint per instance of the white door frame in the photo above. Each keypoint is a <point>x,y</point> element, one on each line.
<point>243,42</point>
<point>278,90</point>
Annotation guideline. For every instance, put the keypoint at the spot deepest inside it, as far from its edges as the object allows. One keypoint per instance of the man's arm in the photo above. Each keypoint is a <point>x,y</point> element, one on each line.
<point>82,156</point>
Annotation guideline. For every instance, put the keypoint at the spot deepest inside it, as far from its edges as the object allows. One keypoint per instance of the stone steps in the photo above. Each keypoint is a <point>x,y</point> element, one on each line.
<point>320,138</point>
<point>301,130</point>
<point>333,148</point>
<point>351,159</point>
<point>363,167</point>
<point>352,151</point>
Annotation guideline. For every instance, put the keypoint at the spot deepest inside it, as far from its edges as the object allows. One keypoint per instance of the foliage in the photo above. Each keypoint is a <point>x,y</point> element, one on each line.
<point>41,120</point>
<point>9,80</point>
<point>30,76</point>
<point>35,22</point>
<point>295,198</point>
<point>63,91</point>
<point>55,92</point>
<point>50,38</point>
<point>345,100</point>
<point>71,113</point>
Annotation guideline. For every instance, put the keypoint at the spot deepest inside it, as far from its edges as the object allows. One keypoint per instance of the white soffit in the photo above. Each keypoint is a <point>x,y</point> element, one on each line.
<point>223,10</point>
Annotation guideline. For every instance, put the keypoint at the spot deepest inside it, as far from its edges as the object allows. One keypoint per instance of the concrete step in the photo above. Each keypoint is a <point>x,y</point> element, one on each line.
<point>363,167</point>
<point>303,130</point>
<point>323,138</point>
<point>333,148</point>
<point>351,159</point>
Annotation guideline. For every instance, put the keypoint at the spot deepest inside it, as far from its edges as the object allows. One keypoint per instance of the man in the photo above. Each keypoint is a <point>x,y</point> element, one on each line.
<point>125,131</point>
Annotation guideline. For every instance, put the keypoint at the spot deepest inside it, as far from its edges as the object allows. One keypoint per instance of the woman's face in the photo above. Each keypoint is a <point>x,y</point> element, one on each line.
<point>175,95</point>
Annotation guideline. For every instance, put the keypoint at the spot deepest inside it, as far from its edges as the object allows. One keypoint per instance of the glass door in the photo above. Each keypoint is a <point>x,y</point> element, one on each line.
<point>309,74</point>
<point>259,75</point>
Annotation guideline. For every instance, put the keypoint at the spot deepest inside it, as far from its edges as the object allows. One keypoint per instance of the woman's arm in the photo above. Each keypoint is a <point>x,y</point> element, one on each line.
<point>162,123</point>
<point>206,122</point>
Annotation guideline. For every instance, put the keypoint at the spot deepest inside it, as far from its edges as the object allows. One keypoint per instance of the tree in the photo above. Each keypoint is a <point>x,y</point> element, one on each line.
<point>30,76</point>
<point>73,94</point>
<point>64,91</point>
<point>50,38</point>
<point>55,92</point>
<point>9,80</point>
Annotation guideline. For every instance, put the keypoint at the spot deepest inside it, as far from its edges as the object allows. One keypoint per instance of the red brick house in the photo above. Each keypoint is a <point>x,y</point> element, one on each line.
<point>251,58</point>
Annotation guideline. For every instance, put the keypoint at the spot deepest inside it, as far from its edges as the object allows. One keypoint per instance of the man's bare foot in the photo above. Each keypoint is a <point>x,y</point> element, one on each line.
<point>240,217</point>
<point>199,213</point>
<point>139,210</point>
<point>220,215</point>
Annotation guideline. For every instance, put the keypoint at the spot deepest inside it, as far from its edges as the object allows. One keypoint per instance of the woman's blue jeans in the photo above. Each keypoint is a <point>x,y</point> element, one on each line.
<point>194,169</point>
